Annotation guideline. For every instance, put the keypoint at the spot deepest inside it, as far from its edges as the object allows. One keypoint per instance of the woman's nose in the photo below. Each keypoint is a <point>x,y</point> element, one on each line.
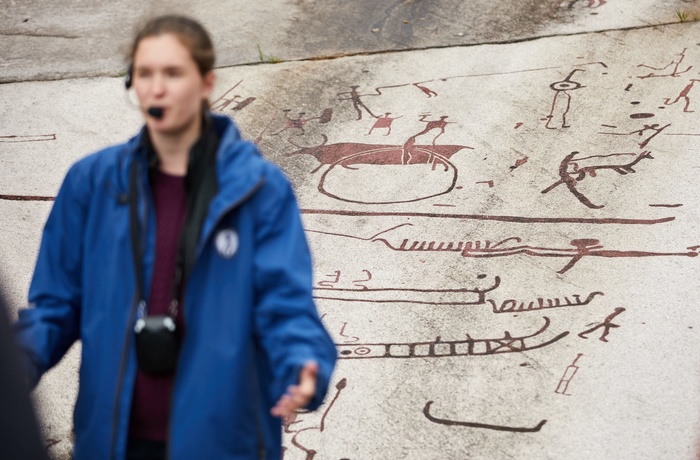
<point>158,87</point>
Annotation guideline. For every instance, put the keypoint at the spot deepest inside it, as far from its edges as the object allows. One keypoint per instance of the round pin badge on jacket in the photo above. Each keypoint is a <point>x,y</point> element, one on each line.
<point>226,243</point>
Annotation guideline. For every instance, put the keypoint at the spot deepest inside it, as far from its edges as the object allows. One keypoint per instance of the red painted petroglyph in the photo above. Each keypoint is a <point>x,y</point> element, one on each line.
<point>512,429</point>
<point>571,173</point>
<point>567,377</point>
<point>228,98</point>
<point>582,247</point>
<point>26,198</point>
<point>342,159</point>
<point>453,348</point>
<point>640,132</point>
<point>674,64</point>
<point>299,123</point>
<point>497,218</point>
<point>607,324</point>
<point>511,305</point>
<point>384,121</point>
<point>569,4</point>
<point>683,95</point>
<point>295,418</point>
<point>561,102</point>
<point>360,292</point>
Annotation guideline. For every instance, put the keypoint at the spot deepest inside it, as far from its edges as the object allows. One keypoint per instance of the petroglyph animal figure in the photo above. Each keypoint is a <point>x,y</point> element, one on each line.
<point>347,154</point>
<point>640,132</point>
<point>571,173</point>
<point>674,63</point>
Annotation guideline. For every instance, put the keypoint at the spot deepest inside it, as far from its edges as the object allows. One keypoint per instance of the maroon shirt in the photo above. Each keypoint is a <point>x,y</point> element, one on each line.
<point>150,408</point>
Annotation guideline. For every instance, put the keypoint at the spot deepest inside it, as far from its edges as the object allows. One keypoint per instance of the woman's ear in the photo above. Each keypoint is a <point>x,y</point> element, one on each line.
<point>209,82</point>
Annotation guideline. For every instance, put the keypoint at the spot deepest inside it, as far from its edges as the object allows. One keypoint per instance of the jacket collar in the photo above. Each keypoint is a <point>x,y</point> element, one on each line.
<point>239,166</point>
<point>239,169</point>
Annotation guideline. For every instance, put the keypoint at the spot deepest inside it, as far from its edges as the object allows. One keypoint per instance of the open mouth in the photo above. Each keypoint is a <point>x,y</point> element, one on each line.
<point>156,112</point>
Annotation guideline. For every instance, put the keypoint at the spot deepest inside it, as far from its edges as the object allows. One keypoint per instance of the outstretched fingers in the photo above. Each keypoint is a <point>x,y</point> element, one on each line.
<point>298,396</point>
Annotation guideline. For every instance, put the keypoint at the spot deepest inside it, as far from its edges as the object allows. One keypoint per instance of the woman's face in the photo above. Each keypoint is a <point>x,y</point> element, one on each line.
<point>166,76</point>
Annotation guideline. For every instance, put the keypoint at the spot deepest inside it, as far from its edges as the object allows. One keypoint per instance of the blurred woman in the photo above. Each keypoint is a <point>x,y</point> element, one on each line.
<point>179,261</point>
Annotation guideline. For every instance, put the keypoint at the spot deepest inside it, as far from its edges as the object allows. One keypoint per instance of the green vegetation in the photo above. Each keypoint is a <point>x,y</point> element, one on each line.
<point>685,16</point>
<point>267,57</point>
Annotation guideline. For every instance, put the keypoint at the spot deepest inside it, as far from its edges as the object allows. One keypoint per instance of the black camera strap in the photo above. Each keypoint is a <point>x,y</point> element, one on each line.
<point>137,249</point>
<point>136,243</point>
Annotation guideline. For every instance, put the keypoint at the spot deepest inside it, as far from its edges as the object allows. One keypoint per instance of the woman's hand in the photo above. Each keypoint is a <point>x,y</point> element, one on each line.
<point>298,396</point>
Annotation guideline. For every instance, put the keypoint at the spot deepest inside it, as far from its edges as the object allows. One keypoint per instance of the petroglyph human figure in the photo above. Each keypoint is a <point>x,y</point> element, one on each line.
<point>409,145</point>
<point>674,63</point>
<point>683,95</point>
<point>561,92</point>
<point>429,92</point>
<point>356,99</point>
<point>300,122</point>
<point>440,125</point>
<point>238,99</point>
<point>294,123</point>
<point>225,100</point>
<point>583,248</point>
<point>607,324</point>
<point>384,121</point>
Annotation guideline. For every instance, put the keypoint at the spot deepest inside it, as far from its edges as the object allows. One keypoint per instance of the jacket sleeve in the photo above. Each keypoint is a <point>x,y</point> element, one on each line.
<point>287,323</point>
<point>51,323</point>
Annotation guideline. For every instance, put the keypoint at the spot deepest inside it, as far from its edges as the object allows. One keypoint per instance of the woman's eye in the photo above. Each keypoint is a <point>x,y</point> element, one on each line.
<point>143,74</point>
<point>173,73</point>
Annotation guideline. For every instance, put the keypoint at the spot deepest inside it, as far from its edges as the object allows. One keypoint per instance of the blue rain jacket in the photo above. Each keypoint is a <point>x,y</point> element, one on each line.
<point>250,320</point>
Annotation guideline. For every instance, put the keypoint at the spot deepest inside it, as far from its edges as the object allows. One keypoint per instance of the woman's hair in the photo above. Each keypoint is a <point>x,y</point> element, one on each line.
<point>190,33</point>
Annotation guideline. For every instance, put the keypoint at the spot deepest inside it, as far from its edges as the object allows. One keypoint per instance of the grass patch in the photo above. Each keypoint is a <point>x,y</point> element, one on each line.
<point>269,58</point>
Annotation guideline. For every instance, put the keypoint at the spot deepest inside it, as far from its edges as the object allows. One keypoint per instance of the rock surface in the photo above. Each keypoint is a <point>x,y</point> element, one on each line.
<point>499,196</point>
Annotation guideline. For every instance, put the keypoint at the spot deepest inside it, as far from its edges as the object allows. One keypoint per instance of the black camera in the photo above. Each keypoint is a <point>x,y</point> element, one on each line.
<point>157,344</point>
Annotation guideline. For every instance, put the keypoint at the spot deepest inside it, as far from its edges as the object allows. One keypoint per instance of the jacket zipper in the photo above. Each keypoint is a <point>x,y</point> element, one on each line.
<point>221,215</point>
<point>127,342</point>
